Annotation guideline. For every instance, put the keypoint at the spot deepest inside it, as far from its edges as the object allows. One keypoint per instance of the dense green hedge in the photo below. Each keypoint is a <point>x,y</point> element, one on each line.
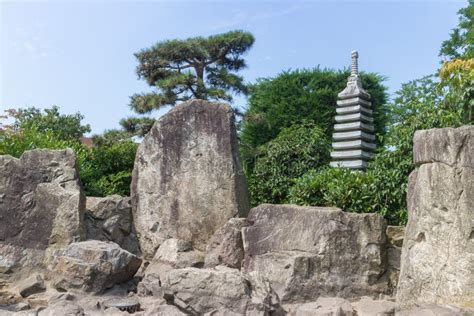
<point>292,153</point>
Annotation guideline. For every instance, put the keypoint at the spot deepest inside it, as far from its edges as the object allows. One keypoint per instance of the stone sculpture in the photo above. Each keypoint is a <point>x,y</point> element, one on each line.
<point>353,137</point>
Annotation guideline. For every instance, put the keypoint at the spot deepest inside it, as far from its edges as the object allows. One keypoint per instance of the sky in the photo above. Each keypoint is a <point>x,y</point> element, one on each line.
<point>79,55</point>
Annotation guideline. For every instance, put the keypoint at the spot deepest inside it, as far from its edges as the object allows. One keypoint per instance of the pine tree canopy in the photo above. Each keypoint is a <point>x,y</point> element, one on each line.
<point>198,67</point>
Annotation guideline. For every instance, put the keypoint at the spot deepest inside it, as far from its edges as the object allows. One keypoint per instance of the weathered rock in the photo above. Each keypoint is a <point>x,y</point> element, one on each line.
<point>164,310</point>
<point>308,252</point>
<point>435,310</point>
<point>324,306</point>
<point>172,254</point>
<point>451,146</point>
<point>110,219</point>
<point>31,285</point>
<point>61,297</point>
<point>92,266</point>
<point>41,201</point>
<point>264,300</point>
<point>226,247</point>
<point>13,258</point>
<point>64,308</point>
<point>187,181</point>
<point>437,264</point>
<point>395,236</point>
<point>200,291</point>
<point>369,307</point>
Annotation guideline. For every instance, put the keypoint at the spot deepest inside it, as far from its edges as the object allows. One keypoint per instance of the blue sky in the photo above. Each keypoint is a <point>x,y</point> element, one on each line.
<point>79,54</point>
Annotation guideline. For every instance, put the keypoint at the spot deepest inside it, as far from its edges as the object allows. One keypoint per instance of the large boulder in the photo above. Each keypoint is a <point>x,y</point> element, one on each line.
<point>92,266</point>
<point>187,180</point>
<point>437,264</point>
<point>200,291</point>
<point>311,252</point>
<point>226,247</point>
<point>110,219</point>
<point>41,201</point>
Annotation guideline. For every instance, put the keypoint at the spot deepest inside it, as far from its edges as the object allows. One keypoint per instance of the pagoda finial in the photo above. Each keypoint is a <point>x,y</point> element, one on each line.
<point>355,66</point>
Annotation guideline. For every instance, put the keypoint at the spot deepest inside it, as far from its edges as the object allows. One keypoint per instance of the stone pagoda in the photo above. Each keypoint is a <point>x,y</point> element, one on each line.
<point>353,136</point>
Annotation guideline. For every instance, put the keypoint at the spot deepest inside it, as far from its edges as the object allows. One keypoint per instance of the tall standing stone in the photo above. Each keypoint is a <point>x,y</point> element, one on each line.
<point>437,262</point>
<point>353,137</point>
<point>187,180</point>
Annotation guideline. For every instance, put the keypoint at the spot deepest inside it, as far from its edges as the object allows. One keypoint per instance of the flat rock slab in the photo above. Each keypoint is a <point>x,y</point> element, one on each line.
<point>308,252</point>
<point>187,180</point>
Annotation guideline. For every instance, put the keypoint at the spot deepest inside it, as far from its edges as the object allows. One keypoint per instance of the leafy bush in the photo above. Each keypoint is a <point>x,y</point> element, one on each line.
<point>350,190</point>
<point>107,169</point>
<point>14,143</point>
<point>293,152</point>
<point>62,126</point>
<point>104,169</point>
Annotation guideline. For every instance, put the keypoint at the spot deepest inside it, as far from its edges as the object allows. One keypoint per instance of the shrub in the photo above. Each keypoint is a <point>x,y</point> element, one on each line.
<point>107,169</point>
<point>291,154</point>
<point>350,190</point>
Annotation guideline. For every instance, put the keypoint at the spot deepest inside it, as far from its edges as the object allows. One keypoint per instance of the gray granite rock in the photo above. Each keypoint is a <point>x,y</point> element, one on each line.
<point>110,219</point>
<point>92,266</point>
<point>226,247</point>
<point>200,291</point>
<point>437,263</point>
<point>451,146</point>
<point>64,308</point>
<point>187,180</point>
<point>370,307</point>
<point>31,285</point>
<point>311,252</point>
<point>172,254</point>
<point>41,201</point>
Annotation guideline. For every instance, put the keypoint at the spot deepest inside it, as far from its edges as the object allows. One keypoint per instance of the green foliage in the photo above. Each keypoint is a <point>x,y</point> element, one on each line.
<point>300,96</point>
<point>64,127</point>
<point>198,67</point>
<point>338,187</point>
<point>461,41</point>
<point>104,169</point>
<point>137,126</point>
<point>111,136</point>
<point>294,151</point>
<point>457,78</point>
<point>383,187</point>
<point>107,168</point>
<point>14,143</point>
